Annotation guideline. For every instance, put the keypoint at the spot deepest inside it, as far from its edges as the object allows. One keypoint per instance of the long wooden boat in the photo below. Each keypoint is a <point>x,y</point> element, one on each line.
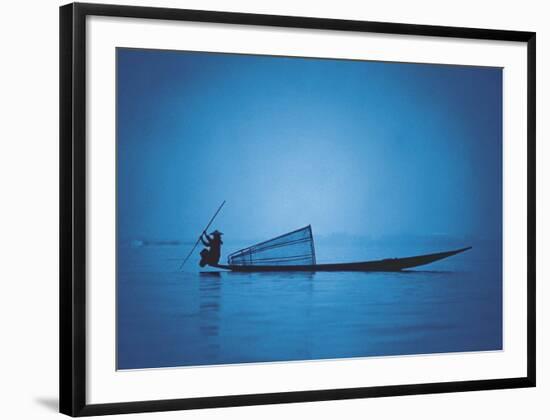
<point>389,264</point>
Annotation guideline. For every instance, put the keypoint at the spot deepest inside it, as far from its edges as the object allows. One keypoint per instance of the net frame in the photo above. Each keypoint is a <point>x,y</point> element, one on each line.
<point>245,256</point>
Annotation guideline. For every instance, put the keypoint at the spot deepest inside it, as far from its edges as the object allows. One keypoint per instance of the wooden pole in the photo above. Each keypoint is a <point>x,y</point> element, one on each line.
<point>204,230</point>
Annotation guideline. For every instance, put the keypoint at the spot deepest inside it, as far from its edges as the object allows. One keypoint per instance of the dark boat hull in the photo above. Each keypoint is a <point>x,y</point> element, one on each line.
<point>389,264</point>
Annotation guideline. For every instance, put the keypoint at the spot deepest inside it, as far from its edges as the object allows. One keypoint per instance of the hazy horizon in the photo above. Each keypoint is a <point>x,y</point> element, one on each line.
<point>335,236</point>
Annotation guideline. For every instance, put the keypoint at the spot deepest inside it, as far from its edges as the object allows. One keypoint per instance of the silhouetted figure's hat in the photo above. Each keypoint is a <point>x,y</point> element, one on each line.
<point>216,233</point>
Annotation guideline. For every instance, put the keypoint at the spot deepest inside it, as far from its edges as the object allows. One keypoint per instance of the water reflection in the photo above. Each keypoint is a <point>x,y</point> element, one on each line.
<point>210,289</point>
<point>210,274</point>
<point>191,318</point>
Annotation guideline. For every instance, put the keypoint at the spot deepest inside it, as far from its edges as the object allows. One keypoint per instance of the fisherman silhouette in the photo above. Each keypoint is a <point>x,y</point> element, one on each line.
<point>213,242</point>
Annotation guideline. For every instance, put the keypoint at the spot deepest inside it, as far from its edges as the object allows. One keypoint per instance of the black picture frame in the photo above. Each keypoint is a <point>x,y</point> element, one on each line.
<point>73,208</point>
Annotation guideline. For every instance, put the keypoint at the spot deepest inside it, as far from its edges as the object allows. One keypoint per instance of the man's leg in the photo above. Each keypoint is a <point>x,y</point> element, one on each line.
<point>204,257</point>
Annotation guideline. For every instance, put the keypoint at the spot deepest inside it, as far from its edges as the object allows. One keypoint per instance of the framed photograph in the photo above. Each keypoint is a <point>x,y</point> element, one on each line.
<point>269,209</point>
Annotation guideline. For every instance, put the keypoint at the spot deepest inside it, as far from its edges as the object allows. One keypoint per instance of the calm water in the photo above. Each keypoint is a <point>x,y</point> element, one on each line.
<point>172,318</point>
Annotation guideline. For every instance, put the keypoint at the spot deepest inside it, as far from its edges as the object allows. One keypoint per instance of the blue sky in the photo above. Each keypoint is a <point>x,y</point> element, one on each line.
<point>356,147</point>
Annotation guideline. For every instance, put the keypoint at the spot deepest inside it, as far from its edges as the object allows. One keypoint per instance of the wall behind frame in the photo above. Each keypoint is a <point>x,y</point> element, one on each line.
<point>29,190</point>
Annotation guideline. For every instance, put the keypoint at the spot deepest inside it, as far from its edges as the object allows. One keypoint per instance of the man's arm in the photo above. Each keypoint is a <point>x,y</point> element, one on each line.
<point>202,239</point>
<point>204,235</point>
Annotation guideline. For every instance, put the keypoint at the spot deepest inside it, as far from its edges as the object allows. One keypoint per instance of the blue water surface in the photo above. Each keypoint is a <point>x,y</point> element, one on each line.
<point>168,317</point>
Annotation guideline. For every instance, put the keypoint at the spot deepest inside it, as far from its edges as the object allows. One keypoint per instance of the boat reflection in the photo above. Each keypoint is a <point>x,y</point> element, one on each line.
<point>210,290</point>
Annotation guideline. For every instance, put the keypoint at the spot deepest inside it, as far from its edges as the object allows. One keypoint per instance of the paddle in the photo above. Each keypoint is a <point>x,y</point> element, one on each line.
<point>204,230</point>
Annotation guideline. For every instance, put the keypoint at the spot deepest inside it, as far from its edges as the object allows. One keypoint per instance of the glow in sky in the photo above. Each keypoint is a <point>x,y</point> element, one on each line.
<point>356,147</point>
